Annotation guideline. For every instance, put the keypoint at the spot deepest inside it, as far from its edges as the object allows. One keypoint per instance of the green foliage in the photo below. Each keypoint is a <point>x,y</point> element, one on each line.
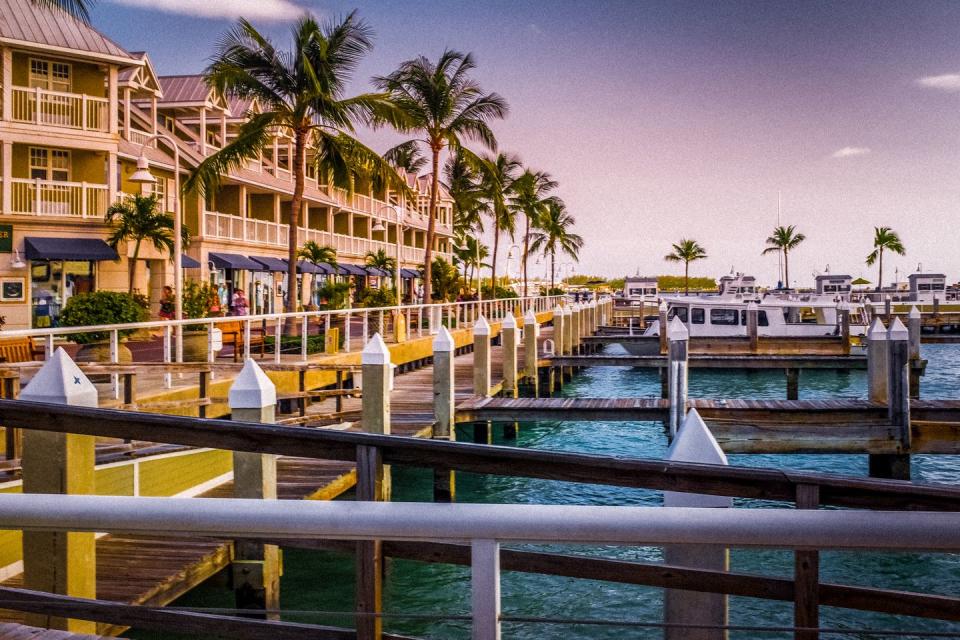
<point>501,292</point>
<point>377,298</point>
<point>616,284</point>
<point>380,260</point>
<point>555,291</point>
<point>445,280</point>
<point>313,252</point>
<point>333,295</point>
<point>581,280</point>
<point>199,300</point>
<point>676,283</point>
<point>291,344</point>
<point>101,307</point>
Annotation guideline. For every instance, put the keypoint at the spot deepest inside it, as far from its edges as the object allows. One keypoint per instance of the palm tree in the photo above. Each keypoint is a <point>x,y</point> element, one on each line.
<point>380,260</point>
<point>497,181</point>
<point>137,219</point>
<point>441,103</point>
<point>79,9</point>
<point>686,251</point>
<point>785,240</point>
<point>884,238</point>
<point>462,185</point>
<point>471,253</point>
<point>531,199</point>
<point>554,235</point>
<point>317,254</point>
<point>407,157</point>
<point>300,92</point>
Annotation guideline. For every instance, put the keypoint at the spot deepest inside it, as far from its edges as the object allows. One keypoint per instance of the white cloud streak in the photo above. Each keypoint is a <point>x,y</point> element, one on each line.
<point>946,82</point>
<point>850,152</point>
<point>268,10</point>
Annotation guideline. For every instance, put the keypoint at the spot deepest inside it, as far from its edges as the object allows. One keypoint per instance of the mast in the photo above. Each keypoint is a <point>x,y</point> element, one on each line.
<point>780,253</point>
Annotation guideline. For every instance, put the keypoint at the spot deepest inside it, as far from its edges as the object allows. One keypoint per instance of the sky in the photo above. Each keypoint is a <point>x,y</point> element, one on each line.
<point>671,120</point>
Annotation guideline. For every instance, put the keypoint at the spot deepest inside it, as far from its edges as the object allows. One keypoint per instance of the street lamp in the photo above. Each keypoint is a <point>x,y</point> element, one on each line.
<point>378,226</point>
<point>143,176</point>
<point>510,256</point>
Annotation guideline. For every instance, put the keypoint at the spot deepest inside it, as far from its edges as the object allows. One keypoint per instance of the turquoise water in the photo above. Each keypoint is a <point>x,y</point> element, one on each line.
<point>320,581</point>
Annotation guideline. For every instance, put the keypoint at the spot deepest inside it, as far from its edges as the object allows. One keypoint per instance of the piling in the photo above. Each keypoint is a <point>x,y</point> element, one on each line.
<point>677,377</point>
<point>576,326</point>
<point>444,407</point>
<point>61,563</point>
<point>793,383</point>
<point>559,331</point>
<point>936,306</point>
<point>663,327</point>
<point>887,309</point>
<point>531,330</point>
<point>256,567</point>
<point>567,331</point>
<point>877,361</point>
<point>508,344</point>
<point>695,443</point>
<point>897,466</point>
<point>913,327</point>
<point>753,315</point>
<point>844,312</point>
<point>481,373</point>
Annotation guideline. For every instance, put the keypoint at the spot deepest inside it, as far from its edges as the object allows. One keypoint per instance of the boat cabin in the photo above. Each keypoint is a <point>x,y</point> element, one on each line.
<point>738,285</point>
<point>640,287</point>
<point>927,285</point>
<point>831,285</point>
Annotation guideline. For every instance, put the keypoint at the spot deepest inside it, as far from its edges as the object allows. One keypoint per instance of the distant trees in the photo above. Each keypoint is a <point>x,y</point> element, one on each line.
<point>884,239</point>
<point>686,251</point>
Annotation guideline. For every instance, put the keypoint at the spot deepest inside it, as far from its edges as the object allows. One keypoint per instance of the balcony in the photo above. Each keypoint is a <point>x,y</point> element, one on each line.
<point>54,198</point>
<point>59,109</point>
<point>136,136</point>
<point>228,227</point>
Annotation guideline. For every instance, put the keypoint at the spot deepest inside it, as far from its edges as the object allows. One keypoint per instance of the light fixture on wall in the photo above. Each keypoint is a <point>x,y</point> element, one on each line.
<point>17,261</point>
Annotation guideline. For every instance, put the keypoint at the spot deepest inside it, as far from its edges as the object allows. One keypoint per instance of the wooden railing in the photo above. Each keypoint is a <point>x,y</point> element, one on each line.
<point>55,198</point>
<point>57,108</point>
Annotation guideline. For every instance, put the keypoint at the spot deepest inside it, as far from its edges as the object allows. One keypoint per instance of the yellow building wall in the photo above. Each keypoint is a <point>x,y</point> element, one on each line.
<point>228,200</point>
<point>85,166</point>
<point>261,206</point>
<point>85,77</point>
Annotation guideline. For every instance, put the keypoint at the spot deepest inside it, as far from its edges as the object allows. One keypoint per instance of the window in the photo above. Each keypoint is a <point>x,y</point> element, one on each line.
<point>54,76</point>
<point>697,315</point>
<point>650,292</point>
<point>159,189</point>
<point>761,318</point>
<point>680,312</point>
<point>49,164</point>
<point>923,286</point>
<point>829,288</point>
<point>723,317</point>
<point>938,286</point>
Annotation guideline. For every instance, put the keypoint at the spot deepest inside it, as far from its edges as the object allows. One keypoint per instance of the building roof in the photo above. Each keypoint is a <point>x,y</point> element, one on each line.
<point>640,279</point>
<point>27,22</point>
<point>833,276</point>
<point>188,90</point>
<point>914,276</point>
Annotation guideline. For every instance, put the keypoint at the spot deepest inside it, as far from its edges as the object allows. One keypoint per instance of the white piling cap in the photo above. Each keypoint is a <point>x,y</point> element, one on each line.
<point>252,389</point>
<point>695,443</point>
<point>914,313</point>
<point>557,311</point>
<point>60,381</point>
<point>509,322</point>
<point>663,305</point>
<point>444,341</point>
<point>676,330</point>
<point>567,311</point>
<point>531,317</point>
<point>376,351</point>
<point>877,331</point>
<point>751,306</point>
<point>897,331</point>
<point>481,327</point>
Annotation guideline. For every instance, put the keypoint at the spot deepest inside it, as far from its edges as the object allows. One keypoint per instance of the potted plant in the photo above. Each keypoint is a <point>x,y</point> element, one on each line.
<point>99,308</point>
<point>199,300</point>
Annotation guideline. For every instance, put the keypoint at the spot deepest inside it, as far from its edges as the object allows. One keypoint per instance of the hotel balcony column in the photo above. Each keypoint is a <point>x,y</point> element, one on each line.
<point>114,100</point>
<point>7,61</point>
<point>350,223</point>
<point>6,172</point>
<point>112,186</point>
<point>276,208</point>
<point>203,131</point>
<point>243,207</point>
<point>153,117</point>
<point>126,112</point>
<point>223,129</point>
<point>329,220</point>
<point>276,157</point>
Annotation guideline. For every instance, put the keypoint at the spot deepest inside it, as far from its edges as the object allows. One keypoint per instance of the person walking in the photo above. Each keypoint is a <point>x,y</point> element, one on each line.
<point>239,303</point>
<point>167,303</point>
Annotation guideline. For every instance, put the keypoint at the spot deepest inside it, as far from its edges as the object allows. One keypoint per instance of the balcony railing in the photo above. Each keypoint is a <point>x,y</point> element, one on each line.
<point>56,108</point>
<point>228,227</point>
<point>54,198</point>
<point>136,136</point>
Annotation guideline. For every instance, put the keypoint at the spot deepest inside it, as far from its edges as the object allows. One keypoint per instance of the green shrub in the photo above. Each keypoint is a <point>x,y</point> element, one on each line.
<point>501,292</point>
<point>445,281</point>
<point>377,298</point>
<point>547,291</point>
<point>101,307</point>
<point>333,295</point>
<point>291,344</point>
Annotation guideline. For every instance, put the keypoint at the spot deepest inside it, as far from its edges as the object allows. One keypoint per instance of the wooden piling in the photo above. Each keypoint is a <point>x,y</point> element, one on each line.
<point>877,361</point>
<point>914,321</point>
<point>793,383</point>
<point>753,315</point>
<point>530,356</point>
<point>256,567</point>
<point>508,343</point>
<point>61,563</point>
<point>576,325</point>
<point>898,396</point>
<point>679,338</point>
<point>444,420</point>
<point>567,331</point>
<point>845,328</point>
<point>559,331</point>
<point>663,327</point>
<point>887,309</point>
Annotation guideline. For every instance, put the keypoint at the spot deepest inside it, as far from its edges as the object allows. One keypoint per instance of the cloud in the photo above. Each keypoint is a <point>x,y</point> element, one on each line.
<point>850,152</point>
<point>270,10</point>
<point>945,82</point>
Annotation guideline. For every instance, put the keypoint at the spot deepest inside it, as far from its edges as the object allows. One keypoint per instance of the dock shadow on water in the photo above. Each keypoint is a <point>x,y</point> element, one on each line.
<point>317,587</point>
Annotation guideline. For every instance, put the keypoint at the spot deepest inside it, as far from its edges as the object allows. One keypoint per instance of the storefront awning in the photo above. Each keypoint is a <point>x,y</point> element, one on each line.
<point>188,263</point>
<point>377,271</point>
<point>234,261</point>
<point>410,274</point>
<point>270,264</point>
<point>352,270</point>
<point>68,249</point>
<point>305,266</point>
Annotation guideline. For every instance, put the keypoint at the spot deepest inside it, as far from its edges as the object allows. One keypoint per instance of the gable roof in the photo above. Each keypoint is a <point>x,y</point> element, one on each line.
<point>188,90</point>
<point>143,77</point>
<point>26,23</point>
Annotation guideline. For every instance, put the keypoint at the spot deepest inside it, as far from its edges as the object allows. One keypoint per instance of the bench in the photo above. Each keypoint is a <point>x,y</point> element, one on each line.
<point>20,350</point>
<point>233,335</point>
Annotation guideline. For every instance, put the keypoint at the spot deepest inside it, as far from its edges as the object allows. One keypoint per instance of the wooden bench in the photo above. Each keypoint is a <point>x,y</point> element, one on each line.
<point>19,350</point>
<point>233,335</point>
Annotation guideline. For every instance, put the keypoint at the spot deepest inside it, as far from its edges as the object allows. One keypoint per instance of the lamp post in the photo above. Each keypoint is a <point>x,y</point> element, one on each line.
<point>379,226</point>
<point>510,256</point>
<point>143,176</point>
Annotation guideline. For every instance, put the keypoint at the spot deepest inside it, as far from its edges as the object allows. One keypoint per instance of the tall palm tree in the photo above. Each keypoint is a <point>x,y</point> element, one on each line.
<point>441,103</point>
<point>471,253</point>
<point>531,198</point>
<point>79,9</point>
<point>299,92</point>
<point>554,235</point>
<point>463,186</point>
<point>884,238</point>
<point>686,251</point>
<point>407,157</point>
<point>497,181</point>
<point>380,260</point>
<point>138,218</point>
<point>784,240</point>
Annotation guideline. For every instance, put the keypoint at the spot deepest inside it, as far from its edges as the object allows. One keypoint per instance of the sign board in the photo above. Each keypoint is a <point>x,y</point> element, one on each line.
<point>6,238</point>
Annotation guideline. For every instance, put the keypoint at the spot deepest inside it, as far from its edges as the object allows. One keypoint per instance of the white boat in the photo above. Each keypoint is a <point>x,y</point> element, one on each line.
<point>639,290</point>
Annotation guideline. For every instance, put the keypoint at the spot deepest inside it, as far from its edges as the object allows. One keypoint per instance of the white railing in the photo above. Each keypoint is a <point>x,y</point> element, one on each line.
<point>353,246</point>
<point>413,254</point>
<point>485,527</point>
<point>61,109</point>
<point>229,227</point>
<point>54,198</point>
<point>137,136</point>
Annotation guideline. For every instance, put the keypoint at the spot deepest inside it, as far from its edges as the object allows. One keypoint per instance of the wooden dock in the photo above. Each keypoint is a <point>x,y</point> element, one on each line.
<point>11,631</point>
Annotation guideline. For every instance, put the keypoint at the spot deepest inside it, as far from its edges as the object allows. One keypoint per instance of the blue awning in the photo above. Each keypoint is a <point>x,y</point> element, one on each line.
<point>234,261</point>
<point>352,270</point>
<point>305,266</point>
<point>68,249</point>
<point>188,263</point>
<point>270,264</point>
<point>377,271</point>
<point>410,274</point>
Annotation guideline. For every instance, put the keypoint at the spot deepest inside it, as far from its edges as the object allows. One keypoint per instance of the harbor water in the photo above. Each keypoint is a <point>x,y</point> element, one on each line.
<point>431,600</point>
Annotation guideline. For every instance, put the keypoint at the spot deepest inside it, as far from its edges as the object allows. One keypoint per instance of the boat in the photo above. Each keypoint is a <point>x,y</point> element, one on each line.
<point>638,290</point>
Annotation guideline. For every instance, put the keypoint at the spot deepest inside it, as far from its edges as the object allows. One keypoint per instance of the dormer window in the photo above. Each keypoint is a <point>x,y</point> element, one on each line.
<point>53,76</point>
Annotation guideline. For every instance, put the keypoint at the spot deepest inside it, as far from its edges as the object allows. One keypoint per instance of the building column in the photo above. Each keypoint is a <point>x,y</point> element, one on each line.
<point>6,172</point>
<point>242,204</point>
<point>223,129</point>
<point>7,61</point>
<point>203,131</point>
<point>114,100</point>
<point>330,220</point>
<point>112,186</point>
<point>350,223</point>
<point>276,208</point>
<point>153,117</point>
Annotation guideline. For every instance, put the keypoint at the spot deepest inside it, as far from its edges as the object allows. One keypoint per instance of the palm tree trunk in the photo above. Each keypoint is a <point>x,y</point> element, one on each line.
<point>299,176</point>
<point>526,250</point>
<point>880,275</point>
<point>431,225</point>
<point>493,264</point>
<point>133,264</point>
<point>686,278</point>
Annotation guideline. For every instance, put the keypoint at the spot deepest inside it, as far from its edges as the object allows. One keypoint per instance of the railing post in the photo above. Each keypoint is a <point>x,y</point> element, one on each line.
<point>677,373</point>
<point>304,337</point>
<point>567,331</point>
<point>576,325</point>
<point>167,346</point>
<point>115,362</point>
<point>366,327</point>
<point>806,581</point>
<point>695,443</point>
<point>444,419</point>
<point>485,589</point>
<point>914,321</point>
<point>62,463</point>
<point>346,332</point>
<point>246,340</point>
<point>531,329</point>
<point>373,484</point>
<point>752,329</point>
<point>559,331</point>
<point>256,566</point>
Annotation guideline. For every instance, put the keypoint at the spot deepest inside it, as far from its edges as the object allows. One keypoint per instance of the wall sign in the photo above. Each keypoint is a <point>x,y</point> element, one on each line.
<point>13,289</point>
<point>6,238</point>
